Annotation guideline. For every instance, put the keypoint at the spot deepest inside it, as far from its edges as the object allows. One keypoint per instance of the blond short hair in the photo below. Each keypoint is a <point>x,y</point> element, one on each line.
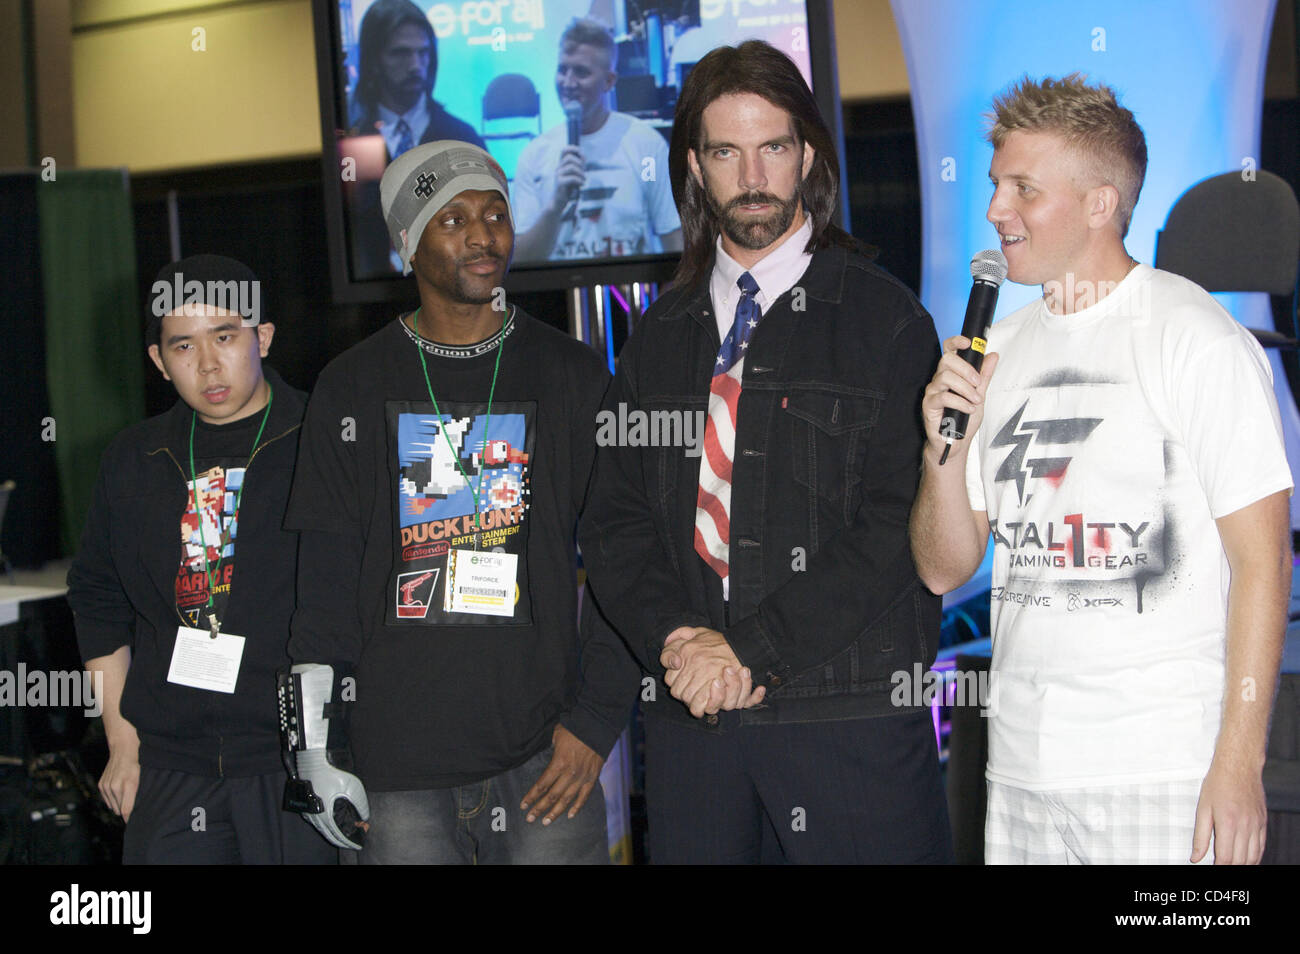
<point>1102,133</point>
<point>584,31</point>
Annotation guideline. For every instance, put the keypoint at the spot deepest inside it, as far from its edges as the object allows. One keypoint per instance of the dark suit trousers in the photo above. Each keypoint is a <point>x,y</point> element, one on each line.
<point>861,791</point>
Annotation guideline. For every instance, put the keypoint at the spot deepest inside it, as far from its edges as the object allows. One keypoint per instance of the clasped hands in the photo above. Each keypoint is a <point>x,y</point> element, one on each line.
<point>704,673</point>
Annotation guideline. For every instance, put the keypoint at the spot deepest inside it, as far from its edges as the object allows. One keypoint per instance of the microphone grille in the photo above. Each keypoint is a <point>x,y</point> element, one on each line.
<point>990,266</point>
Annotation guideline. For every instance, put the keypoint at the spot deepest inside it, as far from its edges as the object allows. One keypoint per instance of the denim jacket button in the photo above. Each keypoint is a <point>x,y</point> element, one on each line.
<point>773,680</point>
<point>711,720</point>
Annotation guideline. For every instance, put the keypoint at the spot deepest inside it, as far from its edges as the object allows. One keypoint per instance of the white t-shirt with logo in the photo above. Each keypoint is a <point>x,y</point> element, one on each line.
<point>626,202</point>
<point>1112,440</point>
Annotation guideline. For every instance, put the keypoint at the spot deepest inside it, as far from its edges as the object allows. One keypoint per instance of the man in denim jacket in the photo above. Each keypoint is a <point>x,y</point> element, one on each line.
<point>761,571</point>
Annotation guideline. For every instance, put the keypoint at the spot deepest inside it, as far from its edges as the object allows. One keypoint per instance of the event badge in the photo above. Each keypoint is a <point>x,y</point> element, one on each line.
<point>481,581</point>
<point>201,662</point>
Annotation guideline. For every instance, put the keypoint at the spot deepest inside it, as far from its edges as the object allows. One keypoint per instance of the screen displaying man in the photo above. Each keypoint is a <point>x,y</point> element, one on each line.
<point>394,94</point>
<point>393,98</point>
<point>595,186</point>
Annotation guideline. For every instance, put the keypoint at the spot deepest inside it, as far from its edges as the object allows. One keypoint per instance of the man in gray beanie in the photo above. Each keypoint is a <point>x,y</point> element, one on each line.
<point>185,646</point>
<point>443,464</point>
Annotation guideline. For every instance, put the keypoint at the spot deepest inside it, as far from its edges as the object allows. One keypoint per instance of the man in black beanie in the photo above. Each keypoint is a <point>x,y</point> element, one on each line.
<point>186,646</point>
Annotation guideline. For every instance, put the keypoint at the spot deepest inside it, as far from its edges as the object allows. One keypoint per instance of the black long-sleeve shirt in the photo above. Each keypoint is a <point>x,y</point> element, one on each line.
<point>446,698</point>
<point>124,588</point>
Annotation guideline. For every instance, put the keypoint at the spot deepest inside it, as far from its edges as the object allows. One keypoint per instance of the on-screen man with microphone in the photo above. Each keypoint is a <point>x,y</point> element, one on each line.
<point>1125,454</point>
<point>595,186</point>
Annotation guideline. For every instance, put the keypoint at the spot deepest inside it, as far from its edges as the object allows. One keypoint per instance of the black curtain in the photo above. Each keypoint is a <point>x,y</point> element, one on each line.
<point>31,523</point>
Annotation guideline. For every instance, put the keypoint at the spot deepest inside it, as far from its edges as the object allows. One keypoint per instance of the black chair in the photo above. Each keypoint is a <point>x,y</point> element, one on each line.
<point>511,96</point>
<point>637,95</point>
<point>1282,775</point>
<point>1229,233</point>
<point>1233,234</point>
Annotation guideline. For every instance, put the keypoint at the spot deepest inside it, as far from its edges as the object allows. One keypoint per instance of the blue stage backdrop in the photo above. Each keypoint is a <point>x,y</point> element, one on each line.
<point>1192,72</point>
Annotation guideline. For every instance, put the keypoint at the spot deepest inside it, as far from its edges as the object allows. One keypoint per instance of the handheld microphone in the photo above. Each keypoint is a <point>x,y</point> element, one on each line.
<point>573,118</point>
<point>573,121</point>
<point>989,270</point>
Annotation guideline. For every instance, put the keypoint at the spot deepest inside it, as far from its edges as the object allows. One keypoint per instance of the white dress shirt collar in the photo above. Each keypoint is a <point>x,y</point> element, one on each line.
<point>417,118</point>
<point>775,273</point>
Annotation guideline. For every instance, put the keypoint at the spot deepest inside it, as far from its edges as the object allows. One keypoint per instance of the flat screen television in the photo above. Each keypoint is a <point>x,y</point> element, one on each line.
<point>491,71</point>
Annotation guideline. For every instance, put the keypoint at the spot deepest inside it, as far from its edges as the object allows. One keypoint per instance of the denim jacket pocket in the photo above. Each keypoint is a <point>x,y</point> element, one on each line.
<point>829,427</point>
<point>673,431</point>
<point>892,643</point>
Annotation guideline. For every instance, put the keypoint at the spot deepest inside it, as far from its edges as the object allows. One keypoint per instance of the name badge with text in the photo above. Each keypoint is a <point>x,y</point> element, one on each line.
<point>482,582</point>
<point>201,662</point>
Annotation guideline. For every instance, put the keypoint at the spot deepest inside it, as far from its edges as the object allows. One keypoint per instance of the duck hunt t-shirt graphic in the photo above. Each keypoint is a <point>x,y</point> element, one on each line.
<point>439,462</point>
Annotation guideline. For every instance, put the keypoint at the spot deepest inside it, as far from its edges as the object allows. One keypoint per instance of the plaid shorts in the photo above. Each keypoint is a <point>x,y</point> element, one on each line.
<point>1150,823</point>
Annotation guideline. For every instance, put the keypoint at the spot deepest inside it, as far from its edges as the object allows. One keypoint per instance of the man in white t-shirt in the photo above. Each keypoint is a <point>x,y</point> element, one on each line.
<point>607,196</point>
<point>1131,473</point>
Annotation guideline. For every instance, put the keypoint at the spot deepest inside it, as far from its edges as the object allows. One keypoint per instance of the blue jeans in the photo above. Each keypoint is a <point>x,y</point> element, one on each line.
<point>481,823</point>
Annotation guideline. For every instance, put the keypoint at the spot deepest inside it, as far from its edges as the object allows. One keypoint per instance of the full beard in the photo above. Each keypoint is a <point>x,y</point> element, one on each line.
<point>747,231</point>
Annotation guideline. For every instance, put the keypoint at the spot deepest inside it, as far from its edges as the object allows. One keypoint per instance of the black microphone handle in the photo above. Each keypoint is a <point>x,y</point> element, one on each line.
<point>979,315</point>
<point>573,121</point>
<point>573,118</point>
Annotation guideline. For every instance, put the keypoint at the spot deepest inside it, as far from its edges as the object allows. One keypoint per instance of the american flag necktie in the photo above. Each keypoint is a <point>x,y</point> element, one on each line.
<point>713,505</point>
<point>404,139</point>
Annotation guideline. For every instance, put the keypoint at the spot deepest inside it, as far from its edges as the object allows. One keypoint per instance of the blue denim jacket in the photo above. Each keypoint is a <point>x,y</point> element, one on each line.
<point>825,604</point>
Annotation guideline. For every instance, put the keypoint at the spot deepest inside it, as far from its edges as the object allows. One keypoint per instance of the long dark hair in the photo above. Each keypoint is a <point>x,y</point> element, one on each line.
<point>752,67</point>
<point>377,28</point>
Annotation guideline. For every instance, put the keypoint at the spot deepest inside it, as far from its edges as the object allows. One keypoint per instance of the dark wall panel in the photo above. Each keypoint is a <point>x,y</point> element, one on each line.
<point>31,523</point>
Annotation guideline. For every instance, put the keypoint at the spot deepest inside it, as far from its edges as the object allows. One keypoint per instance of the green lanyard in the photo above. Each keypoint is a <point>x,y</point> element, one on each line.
<point>208,572</point>
<point>415,326</point>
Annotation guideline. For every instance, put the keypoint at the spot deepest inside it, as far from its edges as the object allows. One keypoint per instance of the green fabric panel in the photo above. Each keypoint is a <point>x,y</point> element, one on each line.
<point>93,327</point>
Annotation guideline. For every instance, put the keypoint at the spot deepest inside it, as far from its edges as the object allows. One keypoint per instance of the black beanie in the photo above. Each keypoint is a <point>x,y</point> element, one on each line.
<point>175,287</point>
